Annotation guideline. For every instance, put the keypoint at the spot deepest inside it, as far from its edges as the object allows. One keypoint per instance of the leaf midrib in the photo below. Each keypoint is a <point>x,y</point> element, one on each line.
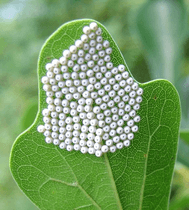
<point>112,182</point>
<point>145,167</point>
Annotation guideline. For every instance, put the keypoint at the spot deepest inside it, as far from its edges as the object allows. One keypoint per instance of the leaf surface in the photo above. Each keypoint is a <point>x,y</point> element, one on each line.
<point>137,177</point>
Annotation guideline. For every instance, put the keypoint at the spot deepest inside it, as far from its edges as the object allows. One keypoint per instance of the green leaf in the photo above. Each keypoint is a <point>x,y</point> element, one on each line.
<point>162,29</point>
<point>136,177</point>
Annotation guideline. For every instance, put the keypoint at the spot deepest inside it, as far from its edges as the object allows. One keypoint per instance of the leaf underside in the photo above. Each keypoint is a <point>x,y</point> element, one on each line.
<point>137,177</point>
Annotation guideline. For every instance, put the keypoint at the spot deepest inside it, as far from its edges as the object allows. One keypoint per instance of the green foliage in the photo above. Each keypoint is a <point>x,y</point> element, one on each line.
<point>21,38</point>
<point>162,29</point>
<point>184,135</point>
<point>138,177</point>
<point>29,115</point>
<point>20,41</point>
<point>183,152</point>
<point>181,188</point>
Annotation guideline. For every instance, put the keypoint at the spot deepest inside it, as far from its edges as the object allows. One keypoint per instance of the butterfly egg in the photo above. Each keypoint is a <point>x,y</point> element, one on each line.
<point>140,91</point>
<point>121,68</point>
<point>119,130</point>
<point>90,64</point>
<point>49,67</point>
<point>78,43</point>
<point>93,26</point>
<point>81,53</point>
<point>101,52</point>
<point>130,81</point>
<point>120,123</point>
<point>66,53</point>
<point>92,36</point>
<point>98,153</point>
<point>100,62</point>
<point>86,30</point>
<point>93,122</point>
<point>50,74</point>
<point>45,112</point>
<point>99,39</point>
<point>106,44</point>
<point>104,148</point>
<point>56,141</point>
<point>84,150</point>
<point>134,128</point>
<point>99,31</point>
<point>126,117</point>
<point>86,46</point>
<point>92,43</point>
<point>63,60</point>
<point>48,140</point>
<point>123,136</point>
<point>77,147</point>
<point>73,49</point>
<point>45,80</point>
<point>90,143</point>
<point>138,99</point>
<point>91,150</point>
<point>107,58</point>
<point>41,128</point>
<point>114,70</point>
<point>47,126</point>
<point>81,61</point>
<point>92,105</point>
<point>91,136</point>
<point>112,133</point>
<point>92,50</point>
<point>116,139</point>
<point>55,63</point>
<point>130,123</point>
<point>132,113</point>
<point>109,143</point>
<point>68,139</point>
<point>69,147</point>
<point>51,107</point>
<point>82,143</point>
<point>108,50</point>
<point>126,143</point>
<point>130,136</point>
<point>137,119</point>
<point>135,86</point>
<point>113,149</point>
<point>119,145</point>
<point>117,98</point>
<point>84,38</point>
<point>75,140</point>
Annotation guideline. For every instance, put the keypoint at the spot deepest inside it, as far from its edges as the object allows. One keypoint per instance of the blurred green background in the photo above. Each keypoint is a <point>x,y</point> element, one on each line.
<point>24,27</point>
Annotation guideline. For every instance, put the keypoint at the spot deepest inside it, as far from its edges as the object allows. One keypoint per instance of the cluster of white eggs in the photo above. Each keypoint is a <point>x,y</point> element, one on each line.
<point>92,105</point>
